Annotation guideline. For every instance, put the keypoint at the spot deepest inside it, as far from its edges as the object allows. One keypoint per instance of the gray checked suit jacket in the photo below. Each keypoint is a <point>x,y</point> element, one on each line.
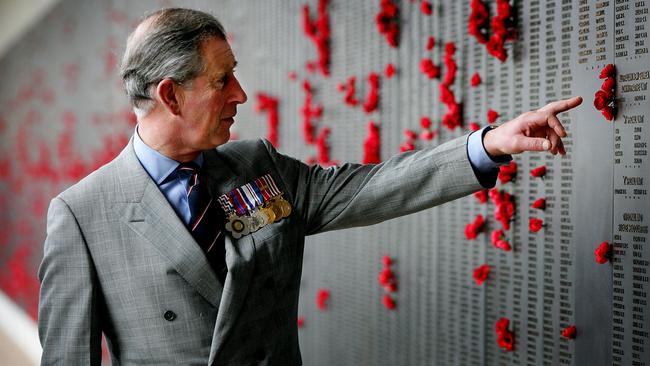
<point>119,261</point>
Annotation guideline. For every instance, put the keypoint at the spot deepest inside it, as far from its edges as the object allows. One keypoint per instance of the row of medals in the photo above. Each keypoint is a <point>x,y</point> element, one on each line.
<point>274,210</point>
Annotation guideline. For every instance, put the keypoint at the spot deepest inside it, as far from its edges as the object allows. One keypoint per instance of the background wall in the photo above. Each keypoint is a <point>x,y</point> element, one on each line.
<point>63,114</point>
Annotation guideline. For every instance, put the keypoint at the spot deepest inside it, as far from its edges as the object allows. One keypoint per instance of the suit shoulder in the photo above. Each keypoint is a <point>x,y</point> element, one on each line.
<point>91,185</point>
<point>246,150</point>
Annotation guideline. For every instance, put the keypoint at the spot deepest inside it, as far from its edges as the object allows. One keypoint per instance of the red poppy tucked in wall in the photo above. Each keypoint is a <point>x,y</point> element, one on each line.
<point>539,204</point>
<point>475,80</point>
<point>505,338</point>
<point>604,99</point>
<point>507,172</point>
<point>603,253</point>
<point>498,239</point>
<point>474,228</point>
<point>387,22</point>
<point>479,20</point>
<point>318,31</point>
<point>389,71</point>
<point>569,332</point>
<point>538,172</point>
<point>372,99</point>
<point>535,224</point>
<point>492,115</point>
<point>481,273</point>
<point>321,298</point>
<point>481,196</point>
<point>371,145</point>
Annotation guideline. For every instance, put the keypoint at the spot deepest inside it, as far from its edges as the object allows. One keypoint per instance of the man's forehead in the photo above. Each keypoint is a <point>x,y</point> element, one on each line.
<point>218,53</point>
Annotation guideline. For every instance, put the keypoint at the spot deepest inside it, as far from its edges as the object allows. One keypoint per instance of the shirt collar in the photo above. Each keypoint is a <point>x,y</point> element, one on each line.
<point>158,166</point>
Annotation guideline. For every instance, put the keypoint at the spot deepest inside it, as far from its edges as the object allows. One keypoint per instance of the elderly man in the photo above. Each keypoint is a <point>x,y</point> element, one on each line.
<point>186,249</point>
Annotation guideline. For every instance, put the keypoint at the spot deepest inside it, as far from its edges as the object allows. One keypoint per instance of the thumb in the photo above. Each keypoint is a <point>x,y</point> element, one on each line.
<point>534,144</point>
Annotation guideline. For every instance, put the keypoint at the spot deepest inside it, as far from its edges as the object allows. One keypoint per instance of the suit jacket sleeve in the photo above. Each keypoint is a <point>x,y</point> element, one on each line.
<point>69,298</point>
<point>357,195</point>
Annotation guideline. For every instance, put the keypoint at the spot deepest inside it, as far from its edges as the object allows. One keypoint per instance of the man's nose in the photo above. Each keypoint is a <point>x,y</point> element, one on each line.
<point>239,95</point>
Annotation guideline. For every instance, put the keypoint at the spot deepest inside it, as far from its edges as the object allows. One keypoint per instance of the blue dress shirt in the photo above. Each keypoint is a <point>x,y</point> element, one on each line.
<point>163,171</point>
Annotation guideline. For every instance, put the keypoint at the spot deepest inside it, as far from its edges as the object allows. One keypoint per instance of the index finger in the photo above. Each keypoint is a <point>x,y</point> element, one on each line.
<point>562,105</point>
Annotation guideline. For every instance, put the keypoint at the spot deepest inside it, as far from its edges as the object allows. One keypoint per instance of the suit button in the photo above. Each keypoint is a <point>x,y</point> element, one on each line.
<point>259,354</point>
<point>169,315</point>
<point>269,283</point>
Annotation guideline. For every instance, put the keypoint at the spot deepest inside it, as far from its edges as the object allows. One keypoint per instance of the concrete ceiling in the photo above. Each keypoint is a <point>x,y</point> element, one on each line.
<point>17,17</point>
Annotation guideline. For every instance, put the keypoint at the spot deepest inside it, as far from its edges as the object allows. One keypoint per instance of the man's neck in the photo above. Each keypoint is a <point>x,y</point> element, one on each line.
<point>156,139</point>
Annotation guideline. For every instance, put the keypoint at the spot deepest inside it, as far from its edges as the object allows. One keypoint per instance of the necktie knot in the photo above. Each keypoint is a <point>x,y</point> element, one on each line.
<point>191,169</point>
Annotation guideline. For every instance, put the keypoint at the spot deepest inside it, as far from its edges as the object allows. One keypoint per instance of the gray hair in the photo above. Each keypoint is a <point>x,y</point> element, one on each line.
<point>168,48</point>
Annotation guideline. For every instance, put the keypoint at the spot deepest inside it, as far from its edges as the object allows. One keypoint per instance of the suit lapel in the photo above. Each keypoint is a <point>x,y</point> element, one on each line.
<point>148,213</point>
<point>240,254</point>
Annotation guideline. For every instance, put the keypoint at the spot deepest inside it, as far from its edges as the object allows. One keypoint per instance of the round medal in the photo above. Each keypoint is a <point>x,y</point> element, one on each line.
<point>285,206</point>
<point>269,214</point>
<point>277,210</point>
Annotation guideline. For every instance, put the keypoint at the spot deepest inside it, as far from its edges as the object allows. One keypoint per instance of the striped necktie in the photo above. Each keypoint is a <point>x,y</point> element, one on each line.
<point>207,219</point>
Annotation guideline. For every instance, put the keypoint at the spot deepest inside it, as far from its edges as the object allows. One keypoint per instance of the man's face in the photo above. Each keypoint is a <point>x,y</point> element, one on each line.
<point>210,101</point>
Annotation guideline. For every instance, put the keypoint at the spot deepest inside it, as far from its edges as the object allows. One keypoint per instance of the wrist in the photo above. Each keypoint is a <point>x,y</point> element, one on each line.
<point>490,145</point>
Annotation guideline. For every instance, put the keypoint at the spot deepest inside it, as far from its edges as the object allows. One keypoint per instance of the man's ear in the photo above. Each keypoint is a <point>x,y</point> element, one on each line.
<point>169,94</point>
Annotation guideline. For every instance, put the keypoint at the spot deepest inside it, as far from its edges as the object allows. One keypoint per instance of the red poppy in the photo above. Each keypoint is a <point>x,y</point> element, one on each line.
<point>478,21</point>
<point>410,134</point>
<point>504,245</point>
<point>535,224</point>
<point>431,42</point>
<point>372,99</point>
<point>428,68</point>
<point>569,332</point>
<point>504,210</point>
<point>474,228</point>
<point>321,299</point>
<point>539,204</point>
<point>426,7</point>
<point>492,115</point>
<point>388,302</point>
<point>391,287</point>
<point>608,112</point>
<point>350,91</point>
<point>473,126</point>
<point>386,276</point>
<point>318,31</point>
<point>495,47</point>
<point>601,99</point>
<point>603,252</point>
<point>609,84</point>
<point>497,234</point>
<point>480,274</point>
<point>425,122</point>
<point>269,104</point>
<point>475,80</point>
<point>506,341</point>
<point>301,322</point>
<point>387,22</point>
<point>428,135</point>
<point>608,71</point>
<point>371,145</point>
<point>407,146</point>
<point>502,325</point>
<point>389,71</point>
<point>507,172</point>
<point>386,260</point>
<point>538,172</point>
<point>481,196</point>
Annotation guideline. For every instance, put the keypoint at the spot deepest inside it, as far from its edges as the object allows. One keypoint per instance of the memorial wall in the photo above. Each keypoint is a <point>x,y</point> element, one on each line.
<point>495,278</point>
